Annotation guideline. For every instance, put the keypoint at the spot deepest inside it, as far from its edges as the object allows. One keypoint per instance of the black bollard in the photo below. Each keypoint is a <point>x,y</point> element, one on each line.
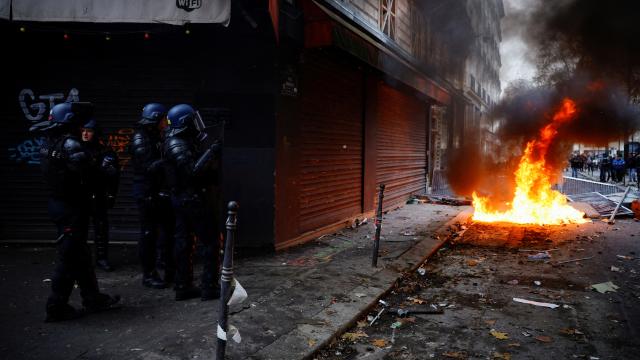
<point>226,277</point>
<point>376,240</point>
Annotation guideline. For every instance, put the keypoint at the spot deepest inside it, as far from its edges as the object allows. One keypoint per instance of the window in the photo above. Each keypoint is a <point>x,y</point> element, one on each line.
<point>388,17</point>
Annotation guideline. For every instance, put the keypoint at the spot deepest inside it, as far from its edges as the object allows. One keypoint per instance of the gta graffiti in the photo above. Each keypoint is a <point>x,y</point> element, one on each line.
<point>36,108</point>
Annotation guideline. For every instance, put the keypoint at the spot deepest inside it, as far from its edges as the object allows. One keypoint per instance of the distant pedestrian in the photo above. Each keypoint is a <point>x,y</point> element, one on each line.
<point>575,165</point>
<point>605,167</point>
<point>618,168</point>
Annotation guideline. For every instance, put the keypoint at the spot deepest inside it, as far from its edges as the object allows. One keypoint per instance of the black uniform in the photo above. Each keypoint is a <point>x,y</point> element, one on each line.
<point>66,165</point>
<point>154,205</point>
<point>104,180</point>
<point>194,199</point>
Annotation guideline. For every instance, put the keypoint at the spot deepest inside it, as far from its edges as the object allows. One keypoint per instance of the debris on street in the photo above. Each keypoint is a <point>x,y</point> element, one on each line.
<point>605,287</point>
<point>536,303</point>
<point>499,335</point>
<point>573,260</point>
<point>539,256</point>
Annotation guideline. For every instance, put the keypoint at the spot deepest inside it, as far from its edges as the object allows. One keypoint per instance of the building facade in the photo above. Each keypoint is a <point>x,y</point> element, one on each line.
<point>328,100</point>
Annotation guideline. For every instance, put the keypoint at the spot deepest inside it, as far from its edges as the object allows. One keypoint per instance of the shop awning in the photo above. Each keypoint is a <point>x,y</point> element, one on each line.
<point>174,12</point>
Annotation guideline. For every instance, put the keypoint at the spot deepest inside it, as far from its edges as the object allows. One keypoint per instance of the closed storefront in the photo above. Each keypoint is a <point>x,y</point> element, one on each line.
<point>401,145</point>
<point>330,141</point>
<point>320,158</point>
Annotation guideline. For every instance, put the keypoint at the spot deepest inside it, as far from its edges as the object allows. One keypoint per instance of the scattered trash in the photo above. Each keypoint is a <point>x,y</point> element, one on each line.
<point>385,305</point>
<point>499,335</point>
<point>396,325</point>
<point>536,303</point>
<point>409,233</point>
<point>539,256</point>
<point>573,260</point>
<point>513,345</point>
<point>354,336</point>
<point>615,269</point>
<point>569,331</point>
<point>490,322</point>
<point>361,324</point>
<point>379,343</point>
<point>422,271</point>
<point>405,312</point>
<point>472,262</point>
<point>513,282</point>
<point>544,338</point>
<point>624,257</point>
<point>311,343</point>
<point>537,283</point>
<point>135,349</point>
<point>360,295</point>
<point>524,333</point>
<point>416,300</point>
<point>46,280</point>
<point>605,287</point>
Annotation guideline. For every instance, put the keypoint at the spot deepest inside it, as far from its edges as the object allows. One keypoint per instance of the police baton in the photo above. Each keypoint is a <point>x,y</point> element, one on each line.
<point>226,279</point>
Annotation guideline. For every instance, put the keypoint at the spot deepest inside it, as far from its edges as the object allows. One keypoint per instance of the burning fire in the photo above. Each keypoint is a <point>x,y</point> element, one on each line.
<point>534,201</point>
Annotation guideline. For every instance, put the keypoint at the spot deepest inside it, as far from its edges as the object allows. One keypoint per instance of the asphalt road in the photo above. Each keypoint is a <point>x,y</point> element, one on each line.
<point>475,280</point>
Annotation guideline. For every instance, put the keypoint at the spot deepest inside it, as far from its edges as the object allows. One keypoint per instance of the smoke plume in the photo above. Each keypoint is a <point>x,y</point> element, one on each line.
<point>586,50</point>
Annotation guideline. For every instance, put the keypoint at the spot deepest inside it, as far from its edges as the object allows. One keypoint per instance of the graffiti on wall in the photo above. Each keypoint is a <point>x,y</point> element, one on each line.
<point>27,151</point>
<point>119,142</point>
<point>36,108</point>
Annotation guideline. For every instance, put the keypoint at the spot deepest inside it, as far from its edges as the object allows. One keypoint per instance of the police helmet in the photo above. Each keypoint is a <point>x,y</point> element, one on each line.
<point>152,113</point>
<point>62,114</point>
<point>91,124</point>
<point>180,118</point>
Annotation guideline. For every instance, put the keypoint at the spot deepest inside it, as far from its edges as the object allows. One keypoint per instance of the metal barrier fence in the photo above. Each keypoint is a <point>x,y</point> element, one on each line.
<point>573,186</point>
<point>569,186</point>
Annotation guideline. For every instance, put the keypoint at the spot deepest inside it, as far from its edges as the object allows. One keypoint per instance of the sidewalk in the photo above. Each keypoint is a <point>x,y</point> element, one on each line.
<point>298,299</point>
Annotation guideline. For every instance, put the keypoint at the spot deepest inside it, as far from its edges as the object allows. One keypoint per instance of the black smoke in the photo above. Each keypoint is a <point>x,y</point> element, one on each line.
<point>586,50</point>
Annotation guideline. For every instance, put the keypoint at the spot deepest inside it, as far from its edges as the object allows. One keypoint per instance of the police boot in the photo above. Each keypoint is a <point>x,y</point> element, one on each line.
<point>64,312</point>
<point>100,302</point>
<point>186,292</point>
<point>153,280</point>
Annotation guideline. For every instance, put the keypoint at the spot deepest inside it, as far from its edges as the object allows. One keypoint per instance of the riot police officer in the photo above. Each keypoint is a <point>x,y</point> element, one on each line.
<point>152,197</point>
<point>193,179</point>
<point>65,164</point>
<point>103,182</point>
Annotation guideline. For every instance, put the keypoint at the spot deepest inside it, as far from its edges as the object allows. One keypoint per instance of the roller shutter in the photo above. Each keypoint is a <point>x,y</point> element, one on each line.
<point>330,140</point>
<point>402,145</point>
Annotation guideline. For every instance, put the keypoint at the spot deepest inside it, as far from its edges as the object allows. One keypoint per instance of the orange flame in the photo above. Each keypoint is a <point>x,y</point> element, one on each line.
<point>534,201</point>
